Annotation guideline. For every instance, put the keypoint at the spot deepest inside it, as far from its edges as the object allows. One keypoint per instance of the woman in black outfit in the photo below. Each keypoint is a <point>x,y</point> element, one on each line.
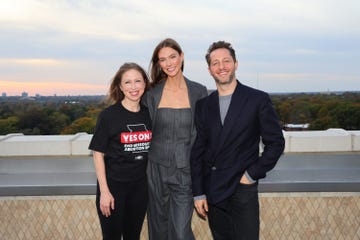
<point>120,145</point>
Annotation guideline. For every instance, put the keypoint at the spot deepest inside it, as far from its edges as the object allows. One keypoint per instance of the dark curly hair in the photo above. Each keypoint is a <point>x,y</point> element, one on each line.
<point>217,45</point>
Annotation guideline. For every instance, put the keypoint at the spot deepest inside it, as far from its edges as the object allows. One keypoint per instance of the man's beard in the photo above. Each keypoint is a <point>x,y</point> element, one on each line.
<point>226,82</point>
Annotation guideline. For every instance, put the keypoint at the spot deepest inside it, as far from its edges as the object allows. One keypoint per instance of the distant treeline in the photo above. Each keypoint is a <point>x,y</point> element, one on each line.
<point>49,115</point>
<point>70,115</point>
<point>320,111</point>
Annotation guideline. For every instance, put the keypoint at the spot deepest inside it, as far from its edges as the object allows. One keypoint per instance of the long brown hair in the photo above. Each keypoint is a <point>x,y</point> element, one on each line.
<point>156,74</point>
<point>115,94</point>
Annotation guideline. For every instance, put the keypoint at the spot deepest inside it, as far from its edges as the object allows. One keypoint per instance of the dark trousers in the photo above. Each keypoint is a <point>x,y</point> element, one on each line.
<point>127,218</point>
<point>171,203</point>
<point>237,217</point>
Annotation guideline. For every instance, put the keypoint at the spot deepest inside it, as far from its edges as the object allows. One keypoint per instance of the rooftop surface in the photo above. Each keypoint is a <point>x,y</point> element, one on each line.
<point>64,175</point>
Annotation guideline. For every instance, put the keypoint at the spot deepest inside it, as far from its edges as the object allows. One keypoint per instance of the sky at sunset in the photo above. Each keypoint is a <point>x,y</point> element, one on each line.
<point>74,47</point>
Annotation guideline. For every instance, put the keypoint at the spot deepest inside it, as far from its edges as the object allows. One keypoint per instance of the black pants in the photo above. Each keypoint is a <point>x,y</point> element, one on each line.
<point>237,217</point>
<point>127,218</point>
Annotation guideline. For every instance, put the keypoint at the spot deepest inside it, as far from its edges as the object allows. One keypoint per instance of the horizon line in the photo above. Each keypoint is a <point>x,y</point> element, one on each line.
<point>209,90</point>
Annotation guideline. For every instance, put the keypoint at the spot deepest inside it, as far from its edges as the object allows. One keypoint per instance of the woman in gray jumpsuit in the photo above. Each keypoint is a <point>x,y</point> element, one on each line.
<point>171,104</point>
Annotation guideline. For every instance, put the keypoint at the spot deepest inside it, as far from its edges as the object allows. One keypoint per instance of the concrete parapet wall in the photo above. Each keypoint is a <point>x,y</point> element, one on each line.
<point>331,140</point>
<point>287,141</point>
<point>45,145</point>
<point>34,145</point>
<point>355,140</point>
<point>80,144</point>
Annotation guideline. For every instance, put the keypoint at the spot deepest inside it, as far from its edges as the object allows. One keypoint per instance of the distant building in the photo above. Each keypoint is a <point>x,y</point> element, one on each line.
<point>296,127</point>
<point>24,94</point>
<point>3,94</point>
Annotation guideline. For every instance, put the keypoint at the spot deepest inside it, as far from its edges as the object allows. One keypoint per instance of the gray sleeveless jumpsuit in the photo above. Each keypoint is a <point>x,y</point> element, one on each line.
<point>170,196</point>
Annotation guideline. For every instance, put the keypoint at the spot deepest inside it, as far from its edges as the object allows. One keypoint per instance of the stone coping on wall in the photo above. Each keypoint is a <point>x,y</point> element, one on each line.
<point>17,144</point>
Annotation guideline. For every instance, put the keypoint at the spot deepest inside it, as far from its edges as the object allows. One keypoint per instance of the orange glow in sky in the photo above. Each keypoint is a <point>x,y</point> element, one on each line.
<point>14,88</point>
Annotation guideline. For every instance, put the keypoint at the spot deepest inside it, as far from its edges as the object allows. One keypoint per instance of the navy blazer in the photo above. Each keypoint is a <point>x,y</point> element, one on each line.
<point>222,153</point>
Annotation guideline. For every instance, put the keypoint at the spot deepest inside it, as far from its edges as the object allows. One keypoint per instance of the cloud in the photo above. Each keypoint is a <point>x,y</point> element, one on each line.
<point>31,61</point>
<point>139,20</point>
<point>85,41</point>
<point>57,88</point>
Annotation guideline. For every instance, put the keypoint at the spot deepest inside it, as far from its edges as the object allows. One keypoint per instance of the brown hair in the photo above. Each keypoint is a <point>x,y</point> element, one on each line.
<point>217,45</point>
<point>156,74</point>
<point>115,94</point>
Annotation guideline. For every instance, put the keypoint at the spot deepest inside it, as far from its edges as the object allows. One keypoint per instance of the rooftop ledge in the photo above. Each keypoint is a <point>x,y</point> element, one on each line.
<point>17,144</point>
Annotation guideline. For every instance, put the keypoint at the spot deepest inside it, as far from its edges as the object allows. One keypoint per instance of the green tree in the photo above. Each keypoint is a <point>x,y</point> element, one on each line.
<point>284,110</point>
<point>83,124</point>
<point>73,111</point>
<point>8,125</point>
<point>58,121</point>
<point>348,116</point>
<point>33,121</point>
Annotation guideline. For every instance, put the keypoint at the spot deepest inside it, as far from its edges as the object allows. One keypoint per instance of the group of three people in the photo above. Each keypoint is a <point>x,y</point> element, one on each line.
<point>165,146</point>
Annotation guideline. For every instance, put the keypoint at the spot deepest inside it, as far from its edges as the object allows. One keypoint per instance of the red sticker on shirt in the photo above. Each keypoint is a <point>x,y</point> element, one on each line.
<point>135,137</point>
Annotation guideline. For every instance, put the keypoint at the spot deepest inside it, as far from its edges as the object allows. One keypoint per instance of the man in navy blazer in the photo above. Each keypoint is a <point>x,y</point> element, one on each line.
<point>225,160</point>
